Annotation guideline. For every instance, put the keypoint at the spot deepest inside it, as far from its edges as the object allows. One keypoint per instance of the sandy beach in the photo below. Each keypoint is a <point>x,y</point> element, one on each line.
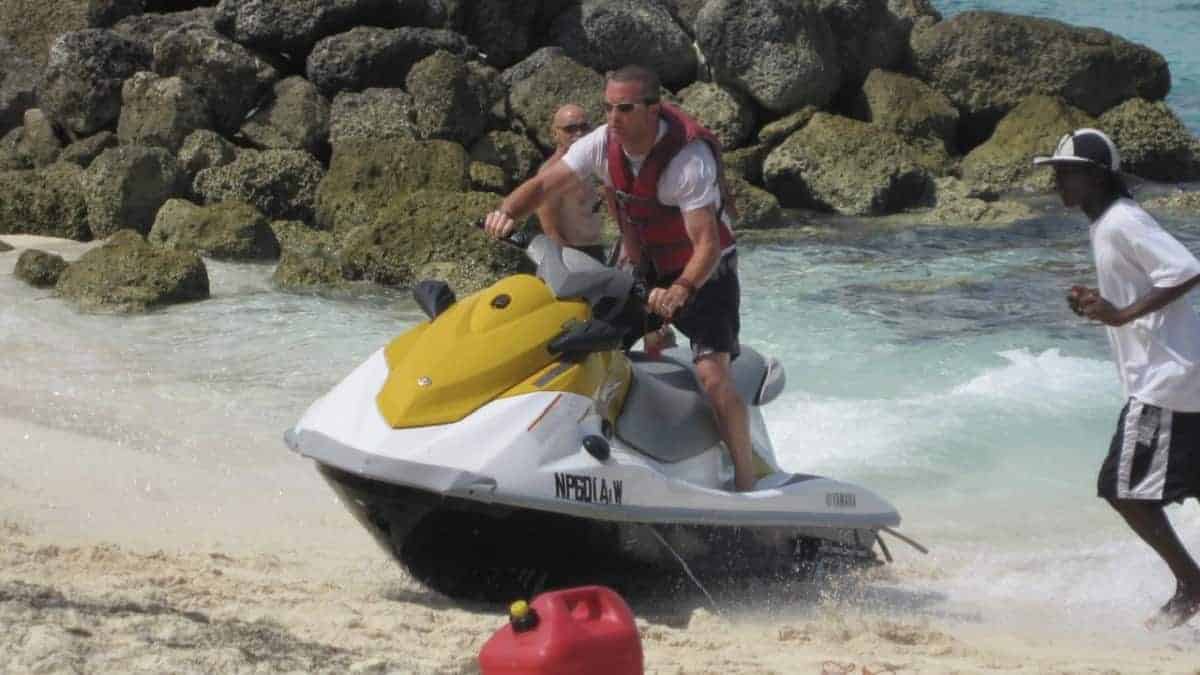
<point>121,552</point>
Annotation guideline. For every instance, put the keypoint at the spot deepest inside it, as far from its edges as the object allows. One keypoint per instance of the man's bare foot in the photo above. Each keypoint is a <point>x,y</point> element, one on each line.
<point>1179,610</point>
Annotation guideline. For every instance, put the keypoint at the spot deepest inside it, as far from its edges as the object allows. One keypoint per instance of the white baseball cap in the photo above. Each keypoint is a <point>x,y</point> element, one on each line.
<point>1085,146</point>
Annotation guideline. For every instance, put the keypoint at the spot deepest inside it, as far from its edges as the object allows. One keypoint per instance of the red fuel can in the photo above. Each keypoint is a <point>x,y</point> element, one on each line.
<point>578,631</point>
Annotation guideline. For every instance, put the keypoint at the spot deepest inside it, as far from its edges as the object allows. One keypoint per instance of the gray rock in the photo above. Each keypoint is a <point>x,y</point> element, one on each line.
<point>847,166</point>
<point>202,150</point>
<point>32,26</point>
<point>80,88</point>
<point>916,112</point>
<point>38,268</point>
<point>746,163</point>
<point>778,131</point>
<point>684,11</point>
<point>365,175</point>
<point>957,204</point>
<point>534,99</point>
<point>487,178</point>
<point>1178,202</point>
<point>869,36</point>
<point>294,26</point>
<point>988,62</point>
<point>125,186</point>
<point>225,231</point>
<point>1005,161</point>
<point>308,257</point>
<point>105,13</point>
<point>376,57</point>
<point>18,82</point>
<point>531,64</point>
<point>726,113</point>
<point>46,202</point>
<point>515,154</point>
<point>39,140</point>
<point>84,151</point>
<point>607,34</point>
<point>451,103</point>
<point>12,151</point>
<point>160,111</point>
<point>783,55</point>
<point>231,79</point>
<point>504,30</point>
<point>1152,142</point>
<point>378,114</point>
<point>148,29</point>
<point>756,208</point>
<point>297,118</point>
<point>280,183</point>
<point>127,274</point>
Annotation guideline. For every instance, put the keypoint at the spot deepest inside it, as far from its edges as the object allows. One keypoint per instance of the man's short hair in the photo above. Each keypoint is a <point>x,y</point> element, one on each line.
<point>646,77</point>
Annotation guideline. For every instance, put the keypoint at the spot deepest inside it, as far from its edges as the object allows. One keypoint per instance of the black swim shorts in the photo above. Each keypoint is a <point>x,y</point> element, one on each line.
<point>711,318</point>
<point>1154,456</point>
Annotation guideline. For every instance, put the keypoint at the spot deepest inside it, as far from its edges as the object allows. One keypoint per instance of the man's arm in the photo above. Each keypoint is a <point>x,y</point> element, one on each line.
<point>1099,309</point>
<point>702,230</point>
<point>549,184</point>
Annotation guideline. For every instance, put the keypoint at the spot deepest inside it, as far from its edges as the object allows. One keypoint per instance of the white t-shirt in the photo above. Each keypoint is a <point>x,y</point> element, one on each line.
<point>1157,355</point>
<point>689,180</point>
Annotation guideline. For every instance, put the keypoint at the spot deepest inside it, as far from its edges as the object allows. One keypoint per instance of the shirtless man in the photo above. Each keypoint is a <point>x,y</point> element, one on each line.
<point>572,218</point>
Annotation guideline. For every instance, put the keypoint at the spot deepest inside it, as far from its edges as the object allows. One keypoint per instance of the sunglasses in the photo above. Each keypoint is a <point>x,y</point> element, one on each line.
<point>578,128</point>
<point>626,107</point>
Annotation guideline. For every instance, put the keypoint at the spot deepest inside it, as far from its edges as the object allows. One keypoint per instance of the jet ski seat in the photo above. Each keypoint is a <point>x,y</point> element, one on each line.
<point>666,415</point>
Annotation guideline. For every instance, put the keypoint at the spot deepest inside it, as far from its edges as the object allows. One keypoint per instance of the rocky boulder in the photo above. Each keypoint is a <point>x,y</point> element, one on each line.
<point>607,34</point>
<point>756,208</point>
<point>1005,161</point>
<point>988,62</point>
<point>426,235</point>
<point>32,26</point>
<point>1152,142</point>
<point>84,151</point>
<point>280,183</point>
<point>160,111</point>
<point>487,178</point>
<point>847,166</point>
<point>515,154</point>
<point>308,257</point>
<point>18,82</point>
<point>725,112</point>
<point>504,30</point>
<point>376,57</point>
<point>204,149</point>
<point>746,163</point>
<point>956,204</point>
<point>364,176</point>
<point>531,64</point>
<point>47,202</point>
<point>148,29</point>
<point>908,107</point>
<point>1176,202</point>
<point>450,98</point>
<point>783,54</point>
<point>225,231</point>
<point>534,99</point>
<point>869,36</point>
<point>294,26</point>
<point>125,186</point>
<point>80,89</point>
<point>12,155</point>
<point>39,141</point>
<point>378,114</point>
<point>296,118</point>
<point>127,274</point>
<point>105,13</point>
<point>230,79</point>
<point>780,130</point>
<point>38,268</point>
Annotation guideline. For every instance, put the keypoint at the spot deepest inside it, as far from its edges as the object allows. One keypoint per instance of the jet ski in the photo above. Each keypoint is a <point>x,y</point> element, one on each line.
<point>512,443</point>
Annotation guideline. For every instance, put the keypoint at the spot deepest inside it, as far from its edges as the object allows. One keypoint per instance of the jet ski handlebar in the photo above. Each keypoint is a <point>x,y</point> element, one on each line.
<point>517,238</point>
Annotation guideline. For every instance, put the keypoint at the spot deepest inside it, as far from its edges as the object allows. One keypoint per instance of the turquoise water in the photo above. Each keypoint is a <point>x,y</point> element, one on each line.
<point>1167,26</point>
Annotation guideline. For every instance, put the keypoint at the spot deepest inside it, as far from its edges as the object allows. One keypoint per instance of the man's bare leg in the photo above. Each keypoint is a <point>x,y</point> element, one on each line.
<point>733,421</point>
<point>1149,521</point>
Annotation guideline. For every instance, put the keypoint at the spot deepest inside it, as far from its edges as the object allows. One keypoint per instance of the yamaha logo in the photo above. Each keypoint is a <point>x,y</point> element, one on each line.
<point>424,381</point>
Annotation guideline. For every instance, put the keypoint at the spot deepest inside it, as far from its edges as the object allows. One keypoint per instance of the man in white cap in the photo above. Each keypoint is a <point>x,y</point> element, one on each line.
<point>1144,274</point>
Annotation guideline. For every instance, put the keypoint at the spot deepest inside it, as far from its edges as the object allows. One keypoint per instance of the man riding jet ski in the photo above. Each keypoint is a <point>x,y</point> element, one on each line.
<point>509,443</point>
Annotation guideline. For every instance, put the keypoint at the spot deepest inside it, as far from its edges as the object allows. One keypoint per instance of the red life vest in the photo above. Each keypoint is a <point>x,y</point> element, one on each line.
<point>659,228</point>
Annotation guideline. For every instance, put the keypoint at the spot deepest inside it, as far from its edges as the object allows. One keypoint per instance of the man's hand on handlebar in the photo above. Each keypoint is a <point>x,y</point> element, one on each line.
<point>498,224</point>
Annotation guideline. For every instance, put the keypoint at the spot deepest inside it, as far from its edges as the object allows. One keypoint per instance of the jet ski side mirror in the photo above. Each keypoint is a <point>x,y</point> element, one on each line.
<point>433,297</point>
<point>588,337</point>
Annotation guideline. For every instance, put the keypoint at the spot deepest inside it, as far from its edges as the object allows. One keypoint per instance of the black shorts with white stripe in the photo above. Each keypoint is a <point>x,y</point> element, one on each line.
<point>1154,456</point>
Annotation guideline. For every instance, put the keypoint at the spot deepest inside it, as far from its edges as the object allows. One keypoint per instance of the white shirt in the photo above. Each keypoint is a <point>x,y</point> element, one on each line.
<point>689,181</point>
<point>1157,355</point>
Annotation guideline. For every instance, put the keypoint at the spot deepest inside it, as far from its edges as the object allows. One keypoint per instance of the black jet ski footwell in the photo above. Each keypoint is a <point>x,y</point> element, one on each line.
<point>478,551</point>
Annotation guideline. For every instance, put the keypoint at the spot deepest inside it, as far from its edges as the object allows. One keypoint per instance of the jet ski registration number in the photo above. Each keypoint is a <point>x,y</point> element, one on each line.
<point>587,489</point>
